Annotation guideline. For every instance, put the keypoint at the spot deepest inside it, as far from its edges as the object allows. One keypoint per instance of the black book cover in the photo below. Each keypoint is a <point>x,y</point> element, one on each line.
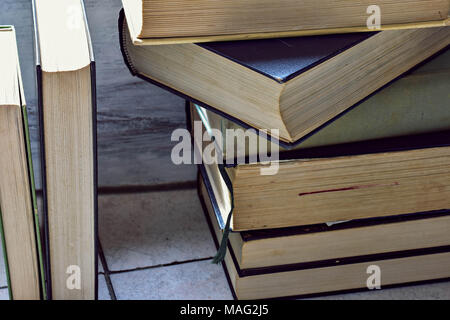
<point>284,59</point>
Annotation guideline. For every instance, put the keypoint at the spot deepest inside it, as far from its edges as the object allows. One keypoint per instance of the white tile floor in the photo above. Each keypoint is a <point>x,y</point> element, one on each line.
<point>4,294</point>
<point>103,292</point>
<point>195,280</point>
<point>157,246</point>
<point>142,230</point>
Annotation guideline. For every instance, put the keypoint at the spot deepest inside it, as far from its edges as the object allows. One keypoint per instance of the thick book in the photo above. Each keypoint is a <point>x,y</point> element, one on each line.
<point>379,177</point>
<point>19,221</point>
<point>302,245</point>
<point>416,103</point>
<point>180,21</point>
<point>294,85</point>
<point>65,71</point>
<point>399,261</point>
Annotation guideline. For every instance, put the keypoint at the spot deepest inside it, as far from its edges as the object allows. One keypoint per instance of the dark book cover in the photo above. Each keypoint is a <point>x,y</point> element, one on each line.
<point>47,264</point>
<point>284,59</point>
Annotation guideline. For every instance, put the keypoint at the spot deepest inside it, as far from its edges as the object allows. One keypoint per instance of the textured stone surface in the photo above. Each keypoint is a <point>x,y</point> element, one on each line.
<point>103,293</point>
<point>148,229</point>
<point>197,280</point>
<point>4,295</point>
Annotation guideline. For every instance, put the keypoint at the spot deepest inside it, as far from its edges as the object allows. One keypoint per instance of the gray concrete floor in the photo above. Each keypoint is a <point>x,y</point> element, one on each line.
<point>157,246</point>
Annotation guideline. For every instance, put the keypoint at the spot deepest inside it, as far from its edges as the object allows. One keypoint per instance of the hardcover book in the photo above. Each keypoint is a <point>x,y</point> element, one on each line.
<point>378,177</point>
<point>414,104</point>
<point>286,248</point>
<point>294,85</point>
<point>178,21</point>
<point>334,275</point>
<point>65,71</point>
<point>19,221</point>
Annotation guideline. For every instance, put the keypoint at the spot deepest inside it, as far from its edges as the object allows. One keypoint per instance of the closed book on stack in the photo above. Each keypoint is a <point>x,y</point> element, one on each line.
<point>295,85</point>
<point>177,21</point>
<point>19,222</point>
<point>319,259</point>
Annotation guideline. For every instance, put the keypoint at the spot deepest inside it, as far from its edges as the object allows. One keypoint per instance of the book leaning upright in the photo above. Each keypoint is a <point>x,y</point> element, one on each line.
<point>19,223</point>
<point>67,107</point>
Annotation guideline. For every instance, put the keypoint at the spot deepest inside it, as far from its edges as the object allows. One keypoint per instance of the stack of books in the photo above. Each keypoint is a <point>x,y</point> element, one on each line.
<point>326,156</point>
